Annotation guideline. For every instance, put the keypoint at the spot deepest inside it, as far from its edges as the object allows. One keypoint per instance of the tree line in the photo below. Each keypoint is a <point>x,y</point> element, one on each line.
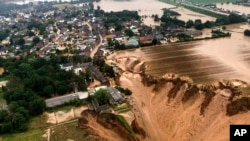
<point>197,24</point>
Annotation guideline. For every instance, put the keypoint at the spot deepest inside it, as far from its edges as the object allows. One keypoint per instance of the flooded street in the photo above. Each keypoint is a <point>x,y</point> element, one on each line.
<point>204,61</point>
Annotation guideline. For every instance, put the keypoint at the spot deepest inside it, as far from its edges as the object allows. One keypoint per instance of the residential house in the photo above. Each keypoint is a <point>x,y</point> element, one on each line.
<point>67,67</point>
<point>192,33</point>
<point>114,96</point>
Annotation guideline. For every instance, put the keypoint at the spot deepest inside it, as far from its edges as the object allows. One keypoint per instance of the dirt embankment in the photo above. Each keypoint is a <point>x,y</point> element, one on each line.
<point>106,126</point>
<point>174,108</point>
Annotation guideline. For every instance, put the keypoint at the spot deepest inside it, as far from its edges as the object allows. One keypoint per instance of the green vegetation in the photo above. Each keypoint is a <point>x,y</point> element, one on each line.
<point>126,125</point>
<point>31,135</point>
<point>67,131</point>
<point>102,96</point>
<point>247,32</point>
<point>1,96</point>
<point>170,12</point>
<point>171,21</point>
<point>36,129</point>
<point>116,18</point>
<point>103,67</point>
<point>4,34</point>
<point>30,79</point>
<point>184,37</point>
<point>203,11</point>
<point>212,1</point>
<point>218,33</point>
<point>122,108</point>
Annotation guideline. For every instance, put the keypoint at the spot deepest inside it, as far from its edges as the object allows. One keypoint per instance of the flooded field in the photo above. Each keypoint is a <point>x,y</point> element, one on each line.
<point>148,8</point>
<point>233,7</point>
<point>204,61</point>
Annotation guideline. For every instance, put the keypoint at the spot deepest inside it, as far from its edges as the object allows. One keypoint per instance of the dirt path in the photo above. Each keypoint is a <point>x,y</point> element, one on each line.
<point>95,49</point>
<point>1,70</point>
<point>62,116</point>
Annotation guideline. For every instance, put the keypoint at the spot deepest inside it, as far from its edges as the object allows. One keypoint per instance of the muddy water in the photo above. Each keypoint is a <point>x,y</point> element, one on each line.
<point>233,7</point>
<point>21,2</point>
<point>204,61</point>
<point>148,8</point>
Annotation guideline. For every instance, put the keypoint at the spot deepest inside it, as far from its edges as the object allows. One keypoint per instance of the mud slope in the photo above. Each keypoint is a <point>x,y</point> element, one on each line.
<point>173,108</point>
<point>106,127</point>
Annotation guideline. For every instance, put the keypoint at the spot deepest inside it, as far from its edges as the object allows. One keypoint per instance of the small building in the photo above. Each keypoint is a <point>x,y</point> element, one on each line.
<point>192,33</point>
<point>56,101</point>
<point>67,67</point>
<point>114,95</point>
<point>132,42</point>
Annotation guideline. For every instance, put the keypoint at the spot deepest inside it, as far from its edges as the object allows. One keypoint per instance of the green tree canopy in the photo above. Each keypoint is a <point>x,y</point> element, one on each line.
<point>102,96</point>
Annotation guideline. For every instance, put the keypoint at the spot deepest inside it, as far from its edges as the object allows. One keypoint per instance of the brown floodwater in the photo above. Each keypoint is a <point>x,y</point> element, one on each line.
<point>148,8</point>
<point>204,61</point>
<point>233,7</point>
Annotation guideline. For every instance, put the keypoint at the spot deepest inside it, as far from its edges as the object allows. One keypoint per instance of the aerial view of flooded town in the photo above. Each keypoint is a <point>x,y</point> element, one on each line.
<point>124,70</point>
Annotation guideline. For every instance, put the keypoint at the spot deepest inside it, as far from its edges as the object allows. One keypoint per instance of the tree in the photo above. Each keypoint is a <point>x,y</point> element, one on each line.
<point>36,40</point>
<point>19,122</point>
<point>129,32</point>
<point>189,24</point>
<point>37,106</point>
<point>30,33</point>
<point>234,18</point>
<point>154,41</point>
<point>21,42</point>
<point>247,32</point>
<point>198,24</point>
<point>102,96</point>
<point>48,91</point>
<point>3,115</point>
<point>208,24</point>
<point>156,18</point>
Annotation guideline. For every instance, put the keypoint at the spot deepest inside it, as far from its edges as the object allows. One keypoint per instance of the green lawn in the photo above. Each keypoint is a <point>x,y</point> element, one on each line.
<point>64,108</point>
<point>38,127</point>
<point>30,135</point>
<point>67,131</point>
<point>211,1</point>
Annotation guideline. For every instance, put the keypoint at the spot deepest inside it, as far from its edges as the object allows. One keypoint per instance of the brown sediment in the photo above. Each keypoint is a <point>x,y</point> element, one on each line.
<point>174,108</point>
<point>104,126</point>
<point>1,70</point>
